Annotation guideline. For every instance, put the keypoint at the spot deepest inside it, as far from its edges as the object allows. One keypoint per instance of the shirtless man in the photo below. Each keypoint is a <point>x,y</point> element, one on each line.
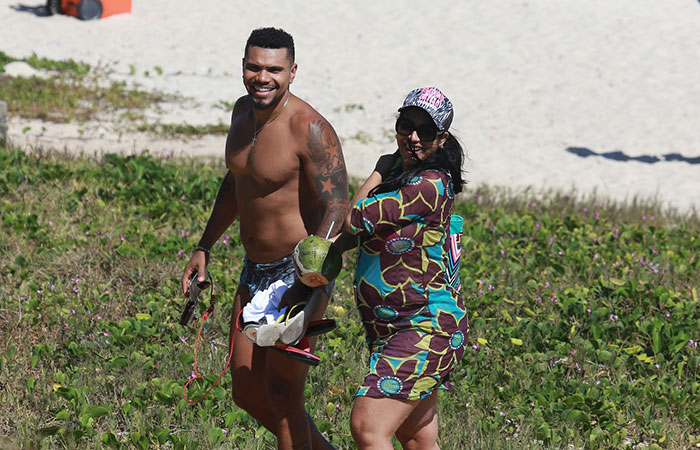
<point>286,179</point>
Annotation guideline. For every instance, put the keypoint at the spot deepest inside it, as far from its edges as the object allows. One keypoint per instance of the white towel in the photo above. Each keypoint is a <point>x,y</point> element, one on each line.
<point>264,304</point>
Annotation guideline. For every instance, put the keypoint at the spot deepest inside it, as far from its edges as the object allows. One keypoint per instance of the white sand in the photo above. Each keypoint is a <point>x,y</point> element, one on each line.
<point>528,79</point>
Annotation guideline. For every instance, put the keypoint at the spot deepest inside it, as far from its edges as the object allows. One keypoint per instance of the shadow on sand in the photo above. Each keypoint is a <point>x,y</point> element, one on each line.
<point>584,152</point>
<point>39,11</point>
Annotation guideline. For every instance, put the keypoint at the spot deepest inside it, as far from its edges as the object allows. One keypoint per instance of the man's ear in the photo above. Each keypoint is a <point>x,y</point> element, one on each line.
<point>293,73</point>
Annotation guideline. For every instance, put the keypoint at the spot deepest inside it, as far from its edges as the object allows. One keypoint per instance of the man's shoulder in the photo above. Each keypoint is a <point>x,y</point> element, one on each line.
<point>305,115</point>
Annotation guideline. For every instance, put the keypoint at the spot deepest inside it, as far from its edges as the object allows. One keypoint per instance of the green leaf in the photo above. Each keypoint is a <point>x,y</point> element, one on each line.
<point>579,416</point>
<point>110,440</point>
<point>97,411</point>
<point>543,432</point>
<point>216,435</point>
<point>324,426</point>
<point>634,349</point>
<point>64,415</point>
<point>163,434</point>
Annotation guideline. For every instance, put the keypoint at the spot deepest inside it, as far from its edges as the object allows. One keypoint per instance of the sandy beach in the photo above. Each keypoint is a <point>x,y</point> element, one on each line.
<point>592,97</point>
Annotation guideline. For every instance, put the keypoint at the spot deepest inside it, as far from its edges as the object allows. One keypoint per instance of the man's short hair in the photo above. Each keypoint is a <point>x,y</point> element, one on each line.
<point>271,38</point>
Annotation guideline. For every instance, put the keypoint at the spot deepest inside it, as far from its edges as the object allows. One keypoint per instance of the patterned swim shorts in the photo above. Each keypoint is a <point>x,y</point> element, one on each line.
<point>259,276</point>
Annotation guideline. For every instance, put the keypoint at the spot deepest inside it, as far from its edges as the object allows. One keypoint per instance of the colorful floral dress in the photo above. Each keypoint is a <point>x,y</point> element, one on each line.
<point>411,306</point>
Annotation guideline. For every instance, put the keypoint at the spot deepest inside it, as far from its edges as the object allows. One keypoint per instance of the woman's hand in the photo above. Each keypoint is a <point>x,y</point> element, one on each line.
<point>345,241</point>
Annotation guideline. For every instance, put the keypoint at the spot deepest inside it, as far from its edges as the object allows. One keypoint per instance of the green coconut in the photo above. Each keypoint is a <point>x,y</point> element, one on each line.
<point>317,261</point>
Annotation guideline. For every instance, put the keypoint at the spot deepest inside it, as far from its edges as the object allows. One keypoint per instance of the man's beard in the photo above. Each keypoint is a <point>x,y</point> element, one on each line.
<point>265,106</point>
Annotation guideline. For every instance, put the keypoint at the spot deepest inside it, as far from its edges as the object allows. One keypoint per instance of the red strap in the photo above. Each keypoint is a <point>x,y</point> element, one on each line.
<point>195,374</point>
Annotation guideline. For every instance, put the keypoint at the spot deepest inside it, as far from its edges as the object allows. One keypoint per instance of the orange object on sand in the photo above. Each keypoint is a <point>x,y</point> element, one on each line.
<point>89,9</point>
<point>112,7</point>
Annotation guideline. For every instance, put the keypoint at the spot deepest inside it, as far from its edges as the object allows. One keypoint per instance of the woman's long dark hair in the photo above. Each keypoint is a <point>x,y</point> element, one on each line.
<point>447,159</point>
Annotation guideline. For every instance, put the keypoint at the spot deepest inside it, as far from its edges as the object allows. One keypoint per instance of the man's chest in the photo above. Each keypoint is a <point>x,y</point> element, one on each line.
<point>270,158</point>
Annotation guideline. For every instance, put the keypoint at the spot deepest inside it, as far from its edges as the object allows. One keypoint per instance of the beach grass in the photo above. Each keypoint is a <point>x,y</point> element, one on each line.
<point>74,92</point>
<point>584,317</point>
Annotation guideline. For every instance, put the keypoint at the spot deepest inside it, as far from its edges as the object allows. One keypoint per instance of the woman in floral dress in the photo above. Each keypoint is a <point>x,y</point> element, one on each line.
<point>407,286</point>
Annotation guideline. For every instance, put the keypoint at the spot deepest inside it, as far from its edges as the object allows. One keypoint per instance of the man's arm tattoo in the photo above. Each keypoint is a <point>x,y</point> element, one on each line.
<point>331,180</point>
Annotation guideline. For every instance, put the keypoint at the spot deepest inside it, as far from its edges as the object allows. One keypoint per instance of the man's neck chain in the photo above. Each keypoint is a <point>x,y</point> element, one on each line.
<point>256,130</point>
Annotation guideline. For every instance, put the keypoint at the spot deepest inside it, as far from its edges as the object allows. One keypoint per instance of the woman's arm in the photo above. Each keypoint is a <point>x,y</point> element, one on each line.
<point>381,169</point>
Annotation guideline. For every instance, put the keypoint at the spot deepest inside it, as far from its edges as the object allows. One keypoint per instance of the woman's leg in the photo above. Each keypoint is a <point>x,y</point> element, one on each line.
<point>374,421</point>
<point>420,429</point>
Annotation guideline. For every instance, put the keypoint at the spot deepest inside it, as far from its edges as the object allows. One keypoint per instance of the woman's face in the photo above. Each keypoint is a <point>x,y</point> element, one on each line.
<point>417,136</point>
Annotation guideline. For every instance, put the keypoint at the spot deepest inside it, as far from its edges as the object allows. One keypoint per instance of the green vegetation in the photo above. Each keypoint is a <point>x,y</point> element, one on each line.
<point>184,129</point>
<point>64,67</point>
<point>584,318</point>
<point>72,92</point>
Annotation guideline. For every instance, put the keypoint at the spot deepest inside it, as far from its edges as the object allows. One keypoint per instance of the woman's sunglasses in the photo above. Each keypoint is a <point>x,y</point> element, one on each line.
<point>426,132</point>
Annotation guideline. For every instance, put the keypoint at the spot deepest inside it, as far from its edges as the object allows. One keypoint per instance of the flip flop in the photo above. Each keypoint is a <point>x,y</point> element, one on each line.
<point>300,352</point>
<point>289,330</point>
<point>317,327</point>
<point>295,327</point>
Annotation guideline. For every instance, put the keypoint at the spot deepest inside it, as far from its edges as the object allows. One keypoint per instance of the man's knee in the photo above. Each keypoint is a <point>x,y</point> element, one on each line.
<point>285,398</point>
<point>248,399</point>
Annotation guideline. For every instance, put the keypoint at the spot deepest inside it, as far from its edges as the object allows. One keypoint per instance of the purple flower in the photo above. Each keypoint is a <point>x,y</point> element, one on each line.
<point>613,317</point>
